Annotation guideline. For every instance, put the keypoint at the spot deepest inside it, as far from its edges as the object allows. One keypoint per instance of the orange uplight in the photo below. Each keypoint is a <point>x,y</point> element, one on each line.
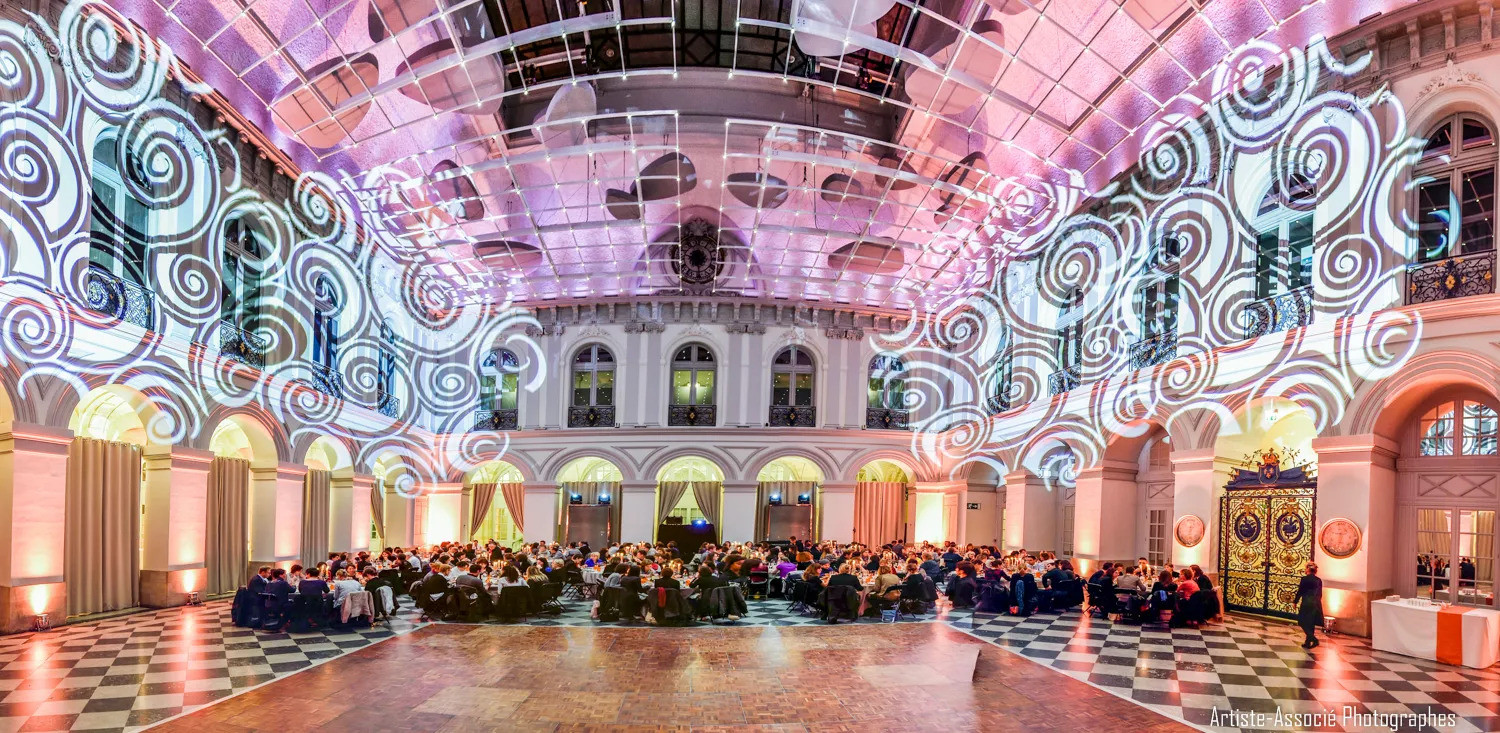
<point>189,581</point>
<point>38,596</point>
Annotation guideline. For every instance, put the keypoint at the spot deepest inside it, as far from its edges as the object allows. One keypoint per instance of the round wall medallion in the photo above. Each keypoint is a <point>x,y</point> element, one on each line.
<point>1340,538</point>
<point>1190,531</point>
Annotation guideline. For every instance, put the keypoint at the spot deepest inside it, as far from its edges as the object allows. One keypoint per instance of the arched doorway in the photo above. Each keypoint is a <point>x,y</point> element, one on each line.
<point>393,509</point>
<point>787,503</point>
<point>881,511</point>
<point>327,489</point>
<point>244,456</point>
<point>589,501</point>
<point>104,536</point>
<point>689,496</point>
<point>497,492</point>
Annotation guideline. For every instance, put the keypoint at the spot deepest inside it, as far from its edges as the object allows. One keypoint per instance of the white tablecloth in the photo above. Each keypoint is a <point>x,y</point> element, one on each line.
<point>1412,630</point>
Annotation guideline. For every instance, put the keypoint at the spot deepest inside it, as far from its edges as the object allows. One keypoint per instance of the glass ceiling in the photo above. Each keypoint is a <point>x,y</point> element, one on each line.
<point>877,153</point>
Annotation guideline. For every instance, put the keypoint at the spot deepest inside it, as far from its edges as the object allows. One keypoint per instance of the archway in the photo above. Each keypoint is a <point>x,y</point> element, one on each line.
<point>244,464</point>
<point>787,493</point>
<point>589,501</point>
<point>881,509</point>
<point>689,498</point>
<point>396,517</point>
<point>108,491</point>
<point>328,522</point>
<point>496,495</point>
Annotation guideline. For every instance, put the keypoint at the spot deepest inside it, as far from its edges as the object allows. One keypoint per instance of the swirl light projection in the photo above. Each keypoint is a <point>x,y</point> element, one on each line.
<point>1268,135</point>
<point>391,336</point>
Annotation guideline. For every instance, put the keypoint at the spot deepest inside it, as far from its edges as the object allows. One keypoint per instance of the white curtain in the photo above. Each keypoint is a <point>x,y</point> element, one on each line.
<point>101,536</point>
<point>315,493</point>
<point>710,495</point>
<point>877,511</point>
<point>226,536</point>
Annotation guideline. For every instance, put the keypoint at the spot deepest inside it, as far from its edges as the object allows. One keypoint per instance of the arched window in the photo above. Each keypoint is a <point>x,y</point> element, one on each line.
<point>593,387</point>
<point>792,388</point>
<point>244,250</point>
<point>499,383</point>
<point>999,377</point>
<point>885,390</point>
<point>1456,189</point>
<point>1283,246</point>
<point>119,232</point>
<point>693,372</point>
<point>1069,345</point>
<point>386,400</point>
<point>1459,428</point>
<point>325,329</point>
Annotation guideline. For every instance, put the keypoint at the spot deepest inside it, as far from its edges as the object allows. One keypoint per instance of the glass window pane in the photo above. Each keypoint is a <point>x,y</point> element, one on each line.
<point>705,388</point>
<point>1267,249</point>
<point>1434,220</point>
<point>1437,432</point>
<point>1476,558</point>
<point>873,390</point>
<point>508,384</point>
<point>1434,544</point>
<point>582,382</point>
<point>1476,134</point>
<point>781,392</point>
<point>606,390</point>
<point>1300,253</point>
<point>1440,141</point>
<point>804,390</point>
<point>682,387</point>
<point>1478,233</point>
<point>486,392</point>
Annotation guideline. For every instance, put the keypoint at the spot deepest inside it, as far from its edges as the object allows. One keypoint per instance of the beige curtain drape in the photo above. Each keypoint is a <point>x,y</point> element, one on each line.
<point>590,491</point>
<point>483,497</point>
<point>877,511</point>
<point>1434,534</point>
<point>102,515</point>
<point>1484,546</point>
<point>226,536</point>
<point>789,491</point>
<point>668,493</point>
<point>377,508</point>
<point>315,493</point>
<point>710,498</point>
<point>514,496</point>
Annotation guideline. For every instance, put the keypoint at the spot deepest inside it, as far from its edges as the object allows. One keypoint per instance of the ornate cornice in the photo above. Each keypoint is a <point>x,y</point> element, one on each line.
<point>1450,76</point>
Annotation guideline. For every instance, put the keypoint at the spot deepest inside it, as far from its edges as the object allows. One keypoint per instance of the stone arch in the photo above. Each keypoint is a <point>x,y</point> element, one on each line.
<point>653,467</point>
<point>328,453</point>
<point>914,470</point>
<point>250,418</point>
<point>241,435</point>
<point>120,413</point>
<point>553,467</point>
<point>1381,408</point>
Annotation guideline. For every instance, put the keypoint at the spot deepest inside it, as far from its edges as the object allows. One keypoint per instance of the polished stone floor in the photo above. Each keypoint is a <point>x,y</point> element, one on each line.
<point>848,678</point>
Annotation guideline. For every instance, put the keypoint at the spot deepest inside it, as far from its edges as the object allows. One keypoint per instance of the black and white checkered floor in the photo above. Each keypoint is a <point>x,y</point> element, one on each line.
<point>130,672</point>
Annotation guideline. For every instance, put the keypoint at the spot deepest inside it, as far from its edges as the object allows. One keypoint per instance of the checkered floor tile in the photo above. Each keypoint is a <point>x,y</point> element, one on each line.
<point>1247,665</point>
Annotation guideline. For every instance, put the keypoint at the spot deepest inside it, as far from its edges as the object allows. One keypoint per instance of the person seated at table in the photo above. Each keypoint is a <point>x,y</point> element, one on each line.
<point>951,558</point>
<point>592,560</point>
<point>313,585</point>
<point>804,558</point>
<point>259,581</point>
<point>931,567</point>
<point>510,577</point>
<point>343,585</point>
<point>469,577</point>
<point>1130,580</point>
<point>1186,610</point>
<point>962,588</point>
<point>295,575</point>
<point>668,579</point>
<point>280,587</point>
<point>785,567</point>
<point>1105,570</point>
<point>632,580</point>
<point>1466,572</point>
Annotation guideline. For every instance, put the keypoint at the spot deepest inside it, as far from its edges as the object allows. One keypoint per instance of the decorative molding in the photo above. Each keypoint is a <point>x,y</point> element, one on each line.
<point>1450,76</point>
<point>550,329</point>
<point>591,332</point>
<point>848,334</point>
<point>695,331</point>
<point>758,329</point>
<point>645,327</point>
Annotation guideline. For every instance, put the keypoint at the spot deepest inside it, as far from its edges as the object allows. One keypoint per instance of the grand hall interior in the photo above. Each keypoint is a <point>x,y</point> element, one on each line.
<point>798,365</point>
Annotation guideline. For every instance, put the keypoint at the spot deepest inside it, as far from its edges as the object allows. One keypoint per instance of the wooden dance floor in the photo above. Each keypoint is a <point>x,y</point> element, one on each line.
<point>900,677</point>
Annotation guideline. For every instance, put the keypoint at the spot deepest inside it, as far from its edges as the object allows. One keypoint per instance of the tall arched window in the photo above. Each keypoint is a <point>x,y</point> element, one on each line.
<point>1156,300</point>
<point>1460,428</point>
<point>886,394</point>
<point>1456,189</point>
<point>593,388</point>
<point>244,251</point>
<point>1284,249</point>
<point>499,384</point>
<point>693,373</point>
<point>792,388</point>
<point>1069,344</point>
<point>325,330</point>
<point>119,232</point>
<point>386,400</point>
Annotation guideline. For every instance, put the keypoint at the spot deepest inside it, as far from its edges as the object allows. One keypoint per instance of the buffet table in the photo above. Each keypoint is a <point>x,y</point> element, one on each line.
<point>1454,635</point>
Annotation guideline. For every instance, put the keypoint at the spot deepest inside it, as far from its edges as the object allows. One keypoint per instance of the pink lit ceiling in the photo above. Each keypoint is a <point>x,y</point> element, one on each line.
<point>849,151</point>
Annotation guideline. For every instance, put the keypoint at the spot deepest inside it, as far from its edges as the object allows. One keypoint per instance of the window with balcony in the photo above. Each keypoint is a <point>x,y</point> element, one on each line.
<point>325,338</point>
<point>245,247</point>
<point>1284,250</point>
<point>499,387</point>
<point>693,372</point>
<point>593,388</point>
<point>1455,182</point>
<point>885,407</point>
<point>1069,345</point>
<point>792,388</point>
<point>118,279</point>
<point>386,400</point>
<point>998,377</point>
<point>1156,307</point>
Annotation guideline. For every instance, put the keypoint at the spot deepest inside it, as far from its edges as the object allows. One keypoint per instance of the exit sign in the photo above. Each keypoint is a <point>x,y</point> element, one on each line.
<point>973,505</point>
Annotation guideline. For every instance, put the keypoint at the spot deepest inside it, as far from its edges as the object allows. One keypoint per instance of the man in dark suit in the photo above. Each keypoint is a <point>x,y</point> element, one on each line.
<point>259,581</point>
<point>962,587</point>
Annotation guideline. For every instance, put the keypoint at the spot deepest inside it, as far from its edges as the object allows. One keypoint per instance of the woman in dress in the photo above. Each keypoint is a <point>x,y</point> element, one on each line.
<point>1310,604</point>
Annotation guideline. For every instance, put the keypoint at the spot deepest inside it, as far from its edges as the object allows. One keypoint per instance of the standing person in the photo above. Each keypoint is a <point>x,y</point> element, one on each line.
<point>1310,604</point>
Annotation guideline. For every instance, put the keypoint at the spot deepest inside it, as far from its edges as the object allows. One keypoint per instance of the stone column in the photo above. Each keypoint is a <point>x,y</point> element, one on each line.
<point>175,496</point>
<point>738,505</point>
<point>1359,472</point>
<point>466,513</point>
<point>276,515</point>
<point>1030,513</point>
<point>1198,482</point>
<point>638,512</point>
<point>33,477</point>
<point>836,505</point>
<point>400,526</point>
<point>360,518</point>
<point>341,512</point>
<point>1104,514</point>
<point>539,521</point>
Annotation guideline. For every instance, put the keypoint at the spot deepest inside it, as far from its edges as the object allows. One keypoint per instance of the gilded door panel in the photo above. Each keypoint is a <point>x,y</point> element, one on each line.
<point>1242,523</point>
<point>1265,542</point>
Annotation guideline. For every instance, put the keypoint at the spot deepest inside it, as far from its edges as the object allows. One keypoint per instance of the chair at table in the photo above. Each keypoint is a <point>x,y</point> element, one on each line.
<point>993,598</point>
<point>308,612</point>
<point>631,605</point>
<point>1099,600</point>
<point>515,603</point>
<point>572,582</point>
<point>473,603</point>
<point>798,597</point>
<point>357,609</point>
<point>272,613</point>
<point>547,598</point>
<point>840,601</point>
<point>668,607</point>
<point>727,602</point>
<point>1129,606</point>
<point>246,609</point>
<point>385,603</point>
<point>759,584</point>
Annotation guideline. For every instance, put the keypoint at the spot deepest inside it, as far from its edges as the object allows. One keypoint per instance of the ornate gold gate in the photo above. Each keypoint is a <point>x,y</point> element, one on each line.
<point>1265,540</point>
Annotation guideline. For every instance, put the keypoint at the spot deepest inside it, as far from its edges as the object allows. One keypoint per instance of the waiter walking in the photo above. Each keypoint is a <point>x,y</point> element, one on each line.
<point>1310,604</point>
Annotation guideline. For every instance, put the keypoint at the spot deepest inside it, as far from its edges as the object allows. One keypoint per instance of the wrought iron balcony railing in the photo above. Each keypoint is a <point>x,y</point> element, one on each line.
<point>1454,277</point>
<point>388,404</point>
<point>602,416</point>
<point>783,416</point>
<point>998,403</point>
<point>1065,379</point>
<point>1283,312</point>
<point>885,418</point>
<point>488,419</point>
<point>112,295</point>
<point>1154,350</point>
<point>242,345</point>
<point>328,381</point>
<point>692,415</point>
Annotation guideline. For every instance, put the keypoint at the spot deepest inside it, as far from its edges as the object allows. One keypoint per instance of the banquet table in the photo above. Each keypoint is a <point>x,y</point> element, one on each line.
<point>1451,635</point>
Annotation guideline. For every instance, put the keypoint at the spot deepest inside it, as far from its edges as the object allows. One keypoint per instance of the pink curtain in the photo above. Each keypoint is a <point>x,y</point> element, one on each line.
<point>484,496</point>
<point>877,511</point>
<point>515,500</point>
<point>101,536</point>
<point>226,539</point>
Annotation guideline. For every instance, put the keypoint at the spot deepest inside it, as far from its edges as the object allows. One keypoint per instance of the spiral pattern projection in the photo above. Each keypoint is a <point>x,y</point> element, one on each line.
<point>63,87</point>
<point>1266,131</point>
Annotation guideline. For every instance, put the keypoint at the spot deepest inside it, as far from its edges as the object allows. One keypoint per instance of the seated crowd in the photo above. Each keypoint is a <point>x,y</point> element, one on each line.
<point>662,584</point>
